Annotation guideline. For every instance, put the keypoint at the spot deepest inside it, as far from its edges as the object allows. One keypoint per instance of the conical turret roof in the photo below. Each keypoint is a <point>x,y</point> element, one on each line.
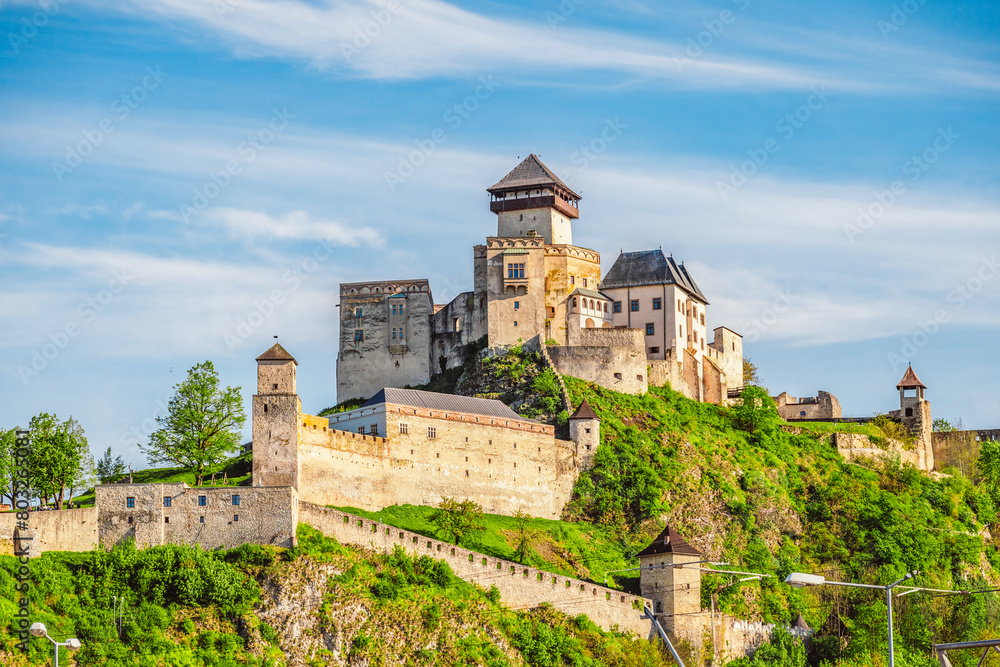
<point>910,380</point>
<point>277,353</point>
<point>585,412</point>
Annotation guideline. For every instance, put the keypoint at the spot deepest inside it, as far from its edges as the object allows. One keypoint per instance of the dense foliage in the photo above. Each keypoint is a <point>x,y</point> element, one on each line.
<point>775,499</point>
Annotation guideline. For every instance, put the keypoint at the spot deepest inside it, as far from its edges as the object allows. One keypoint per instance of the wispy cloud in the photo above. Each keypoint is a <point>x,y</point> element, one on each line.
<point>296,225</point>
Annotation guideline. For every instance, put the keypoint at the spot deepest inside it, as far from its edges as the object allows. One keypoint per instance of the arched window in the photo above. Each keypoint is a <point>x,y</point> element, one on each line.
<point>605,306</point>
<point>574,302</point>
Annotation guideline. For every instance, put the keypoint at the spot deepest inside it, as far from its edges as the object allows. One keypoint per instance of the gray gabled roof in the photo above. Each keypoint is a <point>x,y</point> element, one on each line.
<point>276,353</point>
<point>432,400</point>
<point>590,294</point>
<point>649,267</point>
<point>531,172</point>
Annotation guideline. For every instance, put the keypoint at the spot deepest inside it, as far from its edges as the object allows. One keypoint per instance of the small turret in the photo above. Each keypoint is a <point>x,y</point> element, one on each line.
<point>276,410</point>
<point>915,414</point>
<point>585,431</point>
<point>675,591</point>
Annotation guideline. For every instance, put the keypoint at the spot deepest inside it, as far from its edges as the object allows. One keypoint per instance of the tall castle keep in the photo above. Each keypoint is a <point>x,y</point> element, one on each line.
<point>532,284</point>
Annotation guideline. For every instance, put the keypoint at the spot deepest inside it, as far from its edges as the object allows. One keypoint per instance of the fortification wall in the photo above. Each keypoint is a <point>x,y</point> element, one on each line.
<point>213,517</point>
<point>669,372</point>
<point>822,406</point>
<point>612,358</point>
<point>520,587</point>
<point>51,530</point>
<point>856,445</point>
<point>503,467</point>
<point>960,449</point>
<point>454,327</point>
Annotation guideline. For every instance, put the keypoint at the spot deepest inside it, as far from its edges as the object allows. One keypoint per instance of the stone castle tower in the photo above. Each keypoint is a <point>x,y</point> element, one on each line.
<point>674,591</point>
<point>915,414</point>
<point>585,431</point>
<point>276,409</point>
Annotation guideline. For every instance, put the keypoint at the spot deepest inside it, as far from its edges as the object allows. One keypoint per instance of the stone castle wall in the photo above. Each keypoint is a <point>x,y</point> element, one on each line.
<point>520,587</point>
<point>504,465</point>
<point>260,515</point>
<point>822,406</point>
<point>50,530</point>
<point>856,445</point>
<point>612,358</point>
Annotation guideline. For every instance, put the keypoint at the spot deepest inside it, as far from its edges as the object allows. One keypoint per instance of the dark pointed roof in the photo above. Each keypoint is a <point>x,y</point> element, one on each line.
<point>669,542</point>
<point>801,623</point>
<point>910,380</point>
<point>433,400</point>
<point>584,412</point>
<point>277,353</point>
<point>650,267</point>
<point>531,172</point>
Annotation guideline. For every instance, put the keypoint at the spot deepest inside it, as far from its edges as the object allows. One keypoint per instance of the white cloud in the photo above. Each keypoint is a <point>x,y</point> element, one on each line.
<point>295,225</point>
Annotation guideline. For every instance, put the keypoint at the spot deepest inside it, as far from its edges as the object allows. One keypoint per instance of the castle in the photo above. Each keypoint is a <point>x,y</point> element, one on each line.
<point>643,323</point>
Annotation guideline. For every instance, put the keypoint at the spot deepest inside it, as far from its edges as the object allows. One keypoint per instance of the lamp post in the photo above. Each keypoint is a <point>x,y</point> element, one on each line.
<point>39,630</point>
<point>801,580</point>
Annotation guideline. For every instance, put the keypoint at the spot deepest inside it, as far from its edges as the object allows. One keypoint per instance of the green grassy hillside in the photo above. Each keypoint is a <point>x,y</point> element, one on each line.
<point>318,604</point>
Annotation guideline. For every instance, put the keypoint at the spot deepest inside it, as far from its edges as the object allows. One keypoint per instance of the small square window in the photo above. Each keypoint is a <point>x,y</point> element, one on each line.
<point>274,386</point>
<point>130,519</point>
<point>657,303</point>
<point>358,311</point>
<point>130,502</point>
<point>202,501</point>
<point>166,519</point>
<point>431,432</point>
<point>359,335</point>
<point>236,499</point>
<point>361,430</point>
<point>201,519</point>
<point>617,307</point>
<point>634,305</point>
<point>649,329</point>
<point>236,517</point>
<point>167,501</point>
<point>404,428</point>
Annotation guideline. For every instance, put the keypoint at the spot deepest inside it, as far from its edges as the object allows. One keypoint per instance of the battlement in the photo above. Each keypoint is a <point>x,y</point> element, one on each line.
<point>383,287</point>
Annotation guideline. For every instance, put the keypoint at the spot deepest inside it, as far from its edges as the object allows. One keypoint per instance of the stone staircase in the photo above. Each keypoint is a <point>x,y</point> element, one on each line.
<point>559,378</point>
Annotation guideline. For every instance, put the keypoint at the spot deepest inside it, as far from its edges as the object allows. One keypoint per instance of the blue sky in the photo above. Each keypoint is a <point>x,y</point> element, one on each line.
<point>169,170</point>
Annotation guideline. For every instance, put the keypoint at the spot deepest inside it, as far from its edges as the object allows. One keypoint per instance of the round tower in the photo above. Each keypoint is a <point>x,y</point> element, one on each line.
<point>585,431</point>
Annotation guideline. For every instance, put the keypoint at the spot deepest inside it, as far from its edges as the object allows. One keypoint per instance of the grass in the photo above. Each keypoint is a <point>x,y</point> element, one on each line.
<point>822,428</point>
<point>582,550</point>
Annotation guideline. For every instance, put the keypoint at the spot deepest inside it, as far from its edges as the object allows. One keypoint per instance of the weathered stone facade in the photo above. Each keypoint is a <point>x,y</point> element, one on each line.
<point>385,336</point>
<point>212,517</point>
<point>822,406</point>
<point>612,358</point>
<point>62,530</point>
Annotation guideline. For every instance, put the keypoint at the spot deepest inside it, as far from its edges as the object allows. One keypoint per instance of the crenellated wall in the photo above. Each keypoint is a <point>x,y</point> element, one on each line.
<point>520,586</point>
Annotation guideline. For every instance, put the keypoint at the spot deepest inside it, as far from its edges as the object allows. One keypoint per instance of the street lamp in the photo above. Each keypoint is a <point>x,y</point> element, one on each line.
<point>801,580</point>
<point>39,630</point>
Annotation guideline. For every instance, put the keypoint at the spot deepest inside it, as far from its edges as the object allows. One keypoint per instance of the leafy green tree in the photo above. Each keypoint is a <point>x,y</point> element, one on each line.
<point>458,518</point>
<point>525,534</point>
<point>109,468</point>
<point>750,376</point>
<point>755,412</point>
<point>942,424</point>
<point>989,465</point>
<point>7,440</point>
<point>202,425</point>
<point>58,457</point>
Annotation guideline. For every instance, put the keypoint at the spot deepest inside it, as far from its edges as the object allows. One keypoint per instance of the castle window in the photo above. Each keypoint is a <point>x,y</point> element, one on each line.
<point>634,305</point>
<point>404,428</point>
<point>431,432</point>
<point>584,282</point>
<point>130,519</point>
<point>618,376</point>
<point>130,502</point>
<point>617,307</point>
<point>374,429</point>
<point>517,304</point>
<point>515,323</point>
<point>357,312</point>
<point>649,329</point>
<point>574,302</point>
<point>201,519</point>
<point>802,413</point>
<point>654,350</point>
<point>605,306</point>
<point>361,430</point>
<point>572,280</point>
<point>703,318</point>
<point>490,461</point>
<point>515,270</point>
<point>202,501</point>
<point>166,519</point>
<point>236,517</point>
<point>275,385</point>
<point>167,501</point>
<point>680,306</point>
<point>236,499</point>
<point>265,408</point>
<point>359,335</point>
<point>657,303</point>
<point>466,459</point>
<point>466,473</point>
<point>909,412</point>
<point>394,333</point>
<point>586,430</point>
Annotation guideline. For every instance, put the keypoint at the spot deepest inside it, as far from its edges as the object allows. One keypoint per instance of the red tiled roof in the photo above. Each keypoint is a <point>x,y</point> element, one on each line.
<point>910,380</point>
<point>669,542</point>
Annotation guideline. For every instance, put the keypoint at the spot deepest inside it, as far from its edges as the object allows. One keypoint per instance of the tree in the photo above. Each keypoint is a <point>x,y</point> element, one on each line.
<point>458,518</point>
<point>202,424</point>
<point>755,411</point>
<point>942,425</point>
<point>7,441</point>
<point>525,534</point>
<point>989,465</point>
<point>750,377</point>
<point>108,468</point>
<point>58,456</point>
